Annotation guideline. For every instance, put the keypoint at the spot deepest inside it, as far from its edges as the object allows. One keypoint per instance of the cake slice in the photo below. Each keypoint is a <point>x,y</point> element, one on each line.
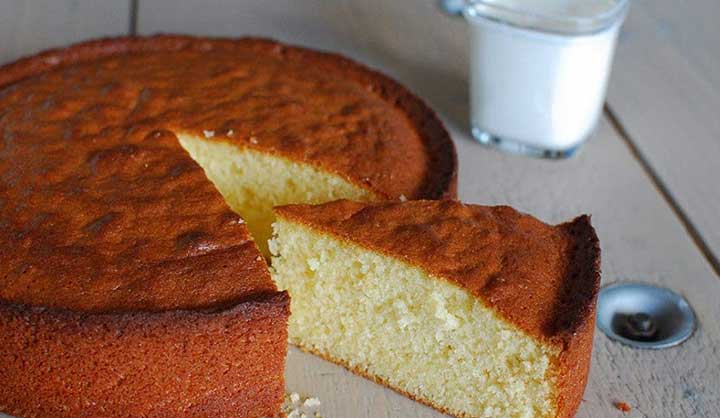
<point>477,311</point>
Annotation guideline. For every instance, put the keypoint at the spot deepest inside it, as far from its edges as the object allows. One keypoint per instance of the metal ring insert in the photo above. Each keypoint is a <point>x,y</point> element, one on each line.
<point>644,316</point>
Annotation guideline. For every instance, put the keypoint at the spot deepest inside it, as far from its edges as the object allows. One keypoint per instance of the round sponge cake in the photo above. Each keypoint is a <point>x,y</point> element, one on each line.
<point>129,285</point>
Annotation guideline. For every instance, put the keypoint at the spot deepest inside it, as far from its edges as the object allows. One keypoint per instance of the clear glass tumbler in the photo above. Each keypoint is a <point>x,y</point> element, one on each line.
<point>539,71</point>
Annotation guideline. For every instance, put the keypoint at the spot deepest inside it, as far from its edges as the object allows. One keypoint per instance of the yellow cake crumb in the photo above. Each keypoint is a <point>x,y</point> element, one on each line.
<point>252,182</point>
<point>297,406</point>
<point>311,402</point>
<point>420,334</point>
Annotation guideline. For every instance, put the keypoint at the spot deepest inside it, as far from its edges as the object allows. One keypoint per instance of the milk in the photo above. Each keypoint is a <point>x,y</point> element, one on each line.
<point>582,9</point>
<point>539,89</point>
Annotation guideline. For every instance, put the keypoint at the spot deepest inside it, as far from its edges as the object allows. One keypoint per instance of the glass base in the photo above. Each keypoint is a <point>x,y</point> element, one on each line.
<point>515,147</point>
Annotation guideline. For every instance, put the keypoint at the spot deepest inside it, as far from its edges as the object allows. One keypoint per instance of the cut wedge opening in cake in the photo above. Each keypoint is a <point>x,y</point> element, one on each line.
<point>360,298</point>
<point>118,256</point>
<point>252,182</point>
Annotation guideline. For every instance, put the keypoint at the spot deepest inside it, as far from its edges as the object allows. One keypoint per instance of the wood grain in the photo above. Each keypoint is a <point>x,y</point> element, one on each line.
<point>29,26</point>
<point>665,91</point>
<point>312,22</point>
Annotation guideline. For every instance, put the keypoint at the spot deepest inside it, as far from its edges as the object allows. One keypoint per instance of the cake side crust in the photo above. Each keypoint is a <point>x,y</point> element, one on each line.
<point>210,363</point>
<point>573,364</point>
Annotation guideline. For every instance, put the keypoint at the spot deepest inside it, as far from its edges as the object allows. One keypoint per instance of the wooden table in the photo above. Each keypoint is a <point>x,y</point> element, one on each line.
<point>650,175</point>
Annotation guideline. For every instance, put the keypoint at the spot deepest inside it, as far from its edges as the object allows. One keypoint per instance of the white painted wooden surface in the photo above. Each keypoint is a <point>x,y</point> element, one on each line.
<point>666,93</point>
<point>28,26</point>
<point>642,238</point>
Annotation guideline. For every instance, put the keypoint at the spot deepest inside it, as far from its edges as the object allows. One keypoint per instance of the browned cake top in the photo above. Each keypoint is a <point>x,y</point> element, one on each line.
<point>542,278</point>
<point>113,220</point>
<point>102,210</point>
<point>318,108</point>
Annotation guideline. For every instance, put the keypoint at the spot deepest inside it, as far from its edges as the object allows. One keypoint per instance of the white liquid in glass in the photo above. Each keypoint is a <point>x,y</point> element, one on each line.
<point>537,88</point>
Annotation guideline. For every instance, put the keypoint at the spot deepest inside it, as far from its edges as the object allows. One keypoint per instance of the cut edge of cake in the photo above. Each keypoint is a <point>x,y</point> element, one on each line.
<point>567,352</point>
<point>253,181</point>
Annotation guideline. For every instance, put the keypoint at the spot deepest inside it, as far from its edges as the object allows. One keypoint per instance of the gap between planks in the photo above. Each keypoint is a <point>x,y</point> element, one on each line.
<point>133,17</point>
<point>664,191</point>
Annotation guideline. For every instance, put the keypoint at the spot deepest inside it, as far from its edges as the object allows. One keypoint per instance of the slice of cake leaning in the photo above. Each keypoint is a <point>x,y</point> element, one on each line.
<point>477,311</point>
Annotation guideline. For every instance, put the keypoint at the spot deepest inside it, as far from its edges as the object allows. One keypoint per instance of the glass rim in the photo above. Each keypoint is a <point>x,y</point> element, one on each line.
<point>545,22</point>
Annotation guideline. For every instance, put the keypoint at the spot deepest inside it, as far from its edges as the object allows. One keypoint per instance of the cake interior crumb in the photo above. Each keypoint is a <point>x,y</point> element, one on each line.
<point>253,182</point>
<point>455,352</point>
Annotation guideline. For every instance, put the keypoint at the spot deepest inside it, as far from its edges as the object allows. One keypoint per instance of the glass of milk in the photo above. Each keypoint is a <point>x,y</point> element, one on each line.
<point>539,71</point>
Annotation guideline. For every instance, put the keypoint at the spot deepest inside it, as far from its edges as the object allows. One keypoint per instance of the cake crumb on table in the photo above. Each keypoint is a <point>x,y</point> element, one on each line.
<point>312,402</point>
<point>622,406</point>
<point>298,406</point>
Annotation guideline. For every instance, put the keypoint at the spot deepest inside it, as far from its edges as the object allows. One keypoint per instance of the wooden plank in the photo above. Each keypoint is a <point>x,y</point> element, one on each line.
<point>641,237</point>
<point>29,26</point>
<point>665,91</point>
<point>312,21</point>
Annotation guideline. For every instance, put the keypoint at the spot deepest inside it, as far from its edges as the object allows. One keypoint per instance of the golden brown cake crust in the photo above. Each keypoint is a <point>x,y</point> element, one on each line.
<point>543,279</point>
<point>320,108</point>
<point>101,208</point>
<point>200,363</point>
<point>117,224</point>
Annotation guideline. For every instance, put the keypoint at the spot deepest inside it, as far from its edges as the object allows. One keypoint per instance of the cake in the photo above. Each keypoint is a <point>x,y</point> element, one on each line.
<point>129,283</point>
<point>477,311</point>
<point>270,124</point>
